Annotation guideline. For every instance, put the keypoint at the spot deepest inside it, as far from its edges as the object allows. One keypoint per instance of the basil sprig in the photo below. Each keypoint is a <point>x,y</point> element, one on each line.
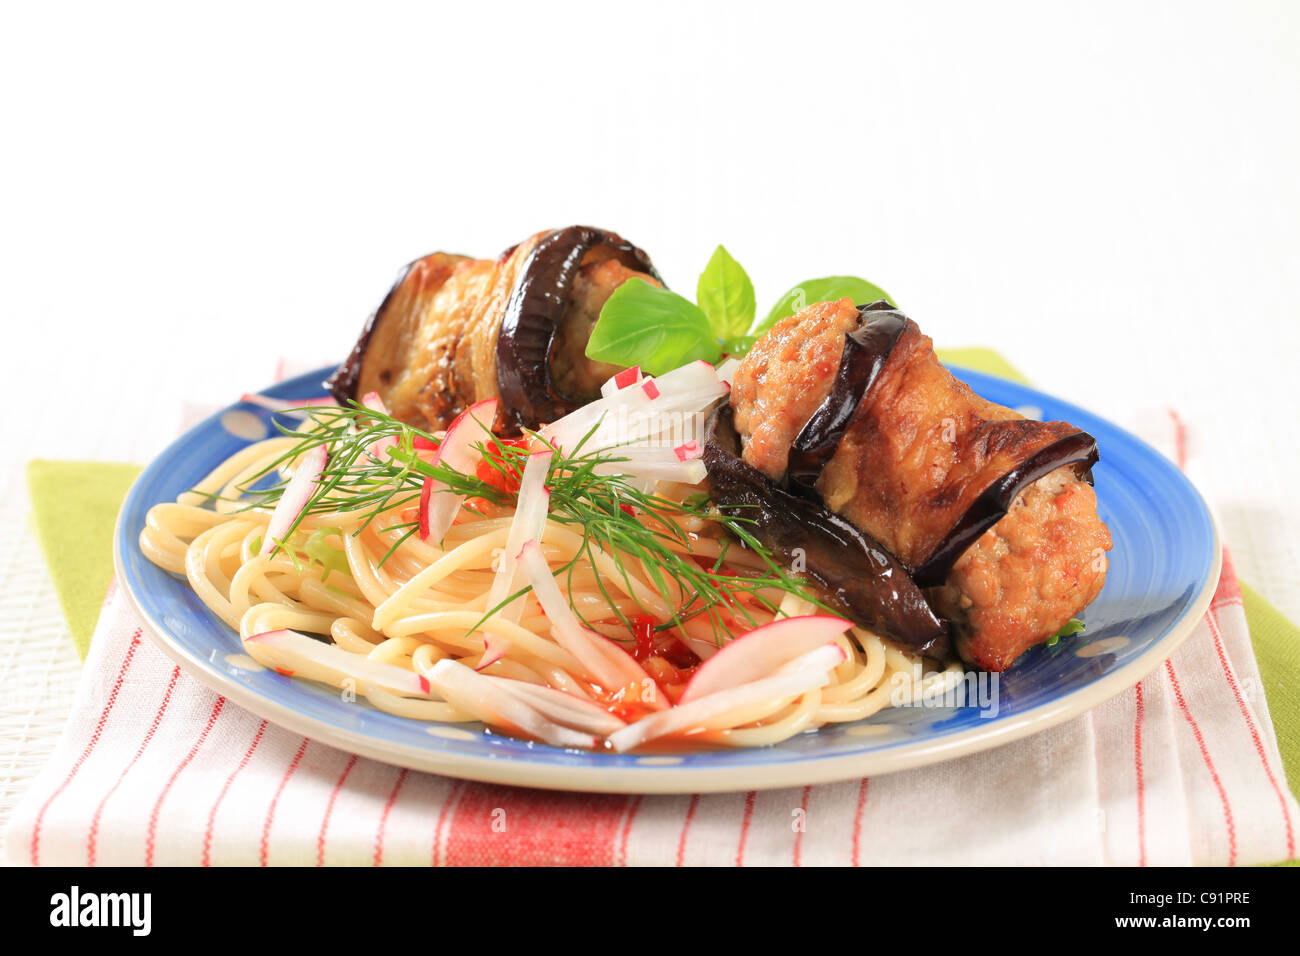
<point>642,324</point>
<point>659,330</point>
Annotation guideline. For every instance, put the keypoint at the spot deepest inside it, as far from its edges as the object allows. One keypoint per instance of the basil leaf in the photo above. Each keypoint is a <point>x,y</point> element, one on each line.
<point>820,290</point>
<point>726,295</point>
<point>645,325</point>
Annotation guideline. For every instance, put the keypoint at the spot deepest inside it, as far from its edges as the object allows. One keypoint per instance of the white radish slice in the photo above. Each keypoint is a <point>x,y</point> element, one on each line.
<point>483,697</point>
<point>528,524</point>
<point>811,671</point>
<point>564,708</point>
<point>763,651</point>
<point>727,370</point>
<point>372,401</point>
<point>637,411</point>
<point>624,379</point>
<point>458,450</point>
<point>494,648</point>
<point>697,374</point>
<point>294,498</point>
<point>565,626</point>
<point>685,472</point>
<point>284,405</point>
<point>301,656</point>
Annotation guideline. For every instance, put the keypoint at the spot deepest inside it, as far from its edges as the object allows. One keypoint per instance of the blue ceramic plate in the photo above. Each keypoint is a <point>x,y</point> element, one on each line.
<point>1163,571</point>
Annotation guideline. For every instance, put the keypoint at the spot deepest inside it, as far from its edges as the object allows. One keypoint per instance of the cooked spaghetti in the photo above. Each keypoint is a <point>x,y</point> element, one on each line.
<point>558,587</point>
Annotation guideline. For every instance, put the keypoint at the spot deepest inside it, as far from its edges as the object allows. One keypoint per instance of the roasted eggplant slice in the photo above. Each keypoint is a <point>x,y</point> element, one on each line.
<point>866,350</point>
<point>996,500</point>
<point>855,574</point>
<point>455,330</point>
<point>532,390</point>
<point>396,355</point>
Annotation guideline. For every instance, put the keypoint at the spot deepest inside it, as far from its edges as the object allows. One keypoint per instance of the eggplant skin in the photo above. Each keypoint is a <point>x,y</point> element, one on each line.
<point>854,573</point>
<point>525,345</point>
<point>454,330</point>
<point>866,350</point>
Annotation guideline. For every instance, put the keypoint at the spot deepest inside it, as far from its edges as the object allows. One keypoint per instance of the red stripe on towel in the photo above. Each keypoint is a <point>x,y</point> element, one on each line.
<point>745,820</point>
<point>857,819</point>
<point>633,806</point>
<point>264,849</point>
<point>329,809</point>
<point>1209,764</point>
<point>514,826</point>
<point>93,837</point>
<point>686,827</point>
<point>90,745</point>
<point>383,818</point>
<point>1137,770</point>
<point>212,814</point>
<point>1213,620</point>
<point>151,837</point>
<point>803,824</point>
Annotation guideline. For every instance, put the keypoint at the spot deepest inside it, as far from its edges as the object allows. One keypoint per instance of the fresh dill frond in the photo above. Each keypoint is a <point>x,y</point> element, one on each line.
<point>373,469</point>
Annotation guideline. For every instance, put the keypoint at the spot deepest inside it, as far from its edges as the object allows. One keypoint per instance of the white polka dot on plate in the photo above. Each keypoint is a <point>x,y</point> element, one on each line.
<point>243,424</point>
<point>452,733</point>
<point>1106,645</point>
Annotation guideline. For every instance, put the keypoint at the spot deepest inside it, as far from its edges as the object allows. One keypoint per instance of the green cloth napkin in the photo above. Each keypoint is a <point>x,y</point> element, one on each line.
<point>76,504</point>
<point>74,508</point>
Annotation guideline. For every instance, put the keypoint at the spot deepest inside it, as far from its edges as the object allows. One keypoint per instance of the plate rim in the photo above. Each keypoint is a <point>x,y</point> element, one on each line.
<point>674,779</point>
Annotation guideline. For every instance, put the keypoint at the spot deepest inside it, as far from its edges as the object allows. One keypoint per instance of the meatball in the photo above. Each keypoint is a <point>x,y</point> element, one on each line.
<point>1025,577</point>
<point>785,377</point>
<point>572,372</point>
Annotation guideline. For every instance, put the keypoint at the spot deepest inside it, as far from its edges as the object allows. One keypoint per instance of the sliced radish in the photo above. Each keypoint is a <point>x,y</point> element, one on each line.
<point>528,524</point>
<point>686,472</point>
<point>494,648</point>
<point>288,650</point>
<point>634,415</point>
<point>426,493</point>
<point>459,451</point>
<point>763,651</point>
<point>563,707</point>
<point>485,698</point>
<point>727,370</point>
<point>378,449</point>
<point>807,673</point>
<point>568,631</point>
<point>294,498</point>
<point>688,450</point>
<point>624,379</point>
<point>692,375</point>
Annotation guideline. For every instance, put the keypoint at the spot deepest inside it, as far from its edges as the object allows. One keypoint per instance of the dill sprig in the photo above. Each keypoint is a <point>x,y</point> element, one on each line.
<point>586,494</point>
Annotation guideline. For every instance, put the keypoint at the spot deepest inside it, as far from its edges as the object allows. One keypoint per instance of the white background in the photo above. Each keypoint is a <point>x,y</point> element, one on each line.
<point>1106,193</point>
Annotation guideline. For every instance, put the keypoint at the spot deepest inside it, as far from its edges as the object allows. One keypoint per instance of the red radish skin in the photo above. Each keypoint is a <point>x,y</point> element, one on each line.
<point>762,651</point>
<point>494,648</point>
<point>303,651</point>
<point>438,506</point>
<point>805,674</point>
<point>294,498</point>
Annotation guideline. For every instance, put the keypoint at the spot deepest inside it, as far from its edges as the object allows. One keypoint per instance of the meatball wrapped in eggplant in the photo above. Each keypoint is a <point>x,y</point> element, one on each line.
<point>993,513</point>
<point>455,330</point>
